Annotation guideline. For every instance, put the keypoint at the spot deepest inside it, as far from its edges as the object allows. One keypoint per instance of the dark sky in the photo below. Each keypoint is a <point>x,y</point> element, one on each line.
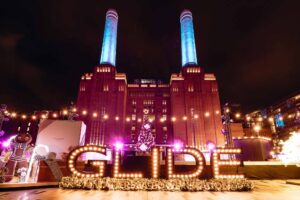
<point>252,46</point>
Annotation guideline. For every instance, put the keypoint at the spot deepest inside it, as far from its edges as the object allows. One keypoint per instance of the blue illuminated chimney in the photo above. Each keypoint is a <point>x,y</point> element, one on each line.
<point>109,45</point>
<point>188,47</point>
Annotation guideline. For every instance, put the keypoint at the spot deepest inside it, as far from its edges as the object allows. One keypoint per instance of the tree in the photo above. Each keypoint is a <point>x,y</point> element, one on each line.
<point>145,138</point>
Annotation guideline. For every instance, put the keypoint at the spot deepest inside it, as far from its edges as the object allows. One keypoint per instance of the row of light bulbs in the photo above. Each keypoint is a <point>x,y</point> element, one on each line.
<point>117,173</point>
<point>194,152</point>
<point>217,162</point>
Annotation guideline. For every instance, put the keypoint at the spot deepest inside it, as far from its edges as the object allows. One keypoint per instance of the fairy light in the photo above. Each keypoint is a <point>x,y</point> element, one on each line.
<point>84,112</point>
<point>43,116</point>
<point>217,112</point>
<point>73,155</point>
<point>199,158</point>
<point>65,112</point>
<point>117,118</point>
<point>24,116</point>
<point>173,119</point>
<point>127,119</point>
<point>155,162</point>
<point>95,114</point>
<point>184,118</point>
<point>206,114</point>
<point>105,116</point>
<point>116,168</point>
<point>54,115</point>
<point>13,115</point>
<point>33,117</point>
<point>216,162</point>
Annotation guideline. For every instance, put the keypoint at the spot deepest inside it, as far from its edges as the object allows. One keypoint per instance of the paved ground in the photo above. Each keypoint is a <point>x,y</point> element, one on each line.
<point>264,190</point>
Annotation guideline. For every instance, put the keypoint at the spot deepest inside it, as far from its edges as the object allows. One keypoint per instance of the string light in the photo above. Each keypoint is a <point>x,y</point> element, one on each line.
<point>184,118</point>
<point>65,112</point>
<point>216,162</point>
<point>95,114</point>
<point>33,117</point>
<point>14,114</point>
<point>206,114</point>
<point>105,116</point>
<point>54,115</point>
<point>84,112</point>
<point>173,119</point>
<point>117,118</point>
<point>24,116</point>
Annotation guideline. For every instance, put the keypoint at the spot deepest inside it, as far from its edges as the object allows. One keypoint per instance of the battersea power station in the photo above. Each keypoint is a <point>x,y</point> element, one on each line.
<point>187,109</point>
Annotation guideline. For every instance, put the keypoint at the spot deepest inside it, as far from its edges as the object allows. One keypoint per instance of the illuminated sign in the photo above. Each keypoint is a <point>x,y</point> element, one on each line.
<point>155,162</point>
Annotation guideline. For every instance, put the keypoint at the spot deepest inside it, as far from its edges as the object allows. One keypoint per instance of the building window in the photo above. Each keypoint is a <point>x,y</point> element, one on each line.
<point>191,88</point>
<point>165,128</point>
<point>121,88</point>
<point>133,102</point>
<point>175,89</point>
<point>164,102</point>
<point>105,88</point>
<point>164,110</point>
<point>148,102</point>
<point>133,117</point>
<point>133,128</point>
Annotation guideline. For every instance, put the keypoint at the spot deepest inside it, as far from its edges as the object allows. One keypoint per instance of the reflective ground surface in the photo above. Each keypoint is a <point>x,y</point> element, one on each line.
<point>264,190</point>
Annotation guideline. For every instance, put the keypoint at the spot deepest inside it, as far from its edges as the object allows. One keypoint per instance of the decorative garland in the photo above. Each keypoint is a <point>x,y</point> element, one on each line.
<point>144,184</point>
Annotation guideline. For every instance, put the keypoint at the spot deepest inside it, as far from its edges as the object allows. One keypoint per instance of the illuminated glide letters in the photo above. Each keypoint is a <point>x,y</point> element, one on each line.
<point>155,162</point>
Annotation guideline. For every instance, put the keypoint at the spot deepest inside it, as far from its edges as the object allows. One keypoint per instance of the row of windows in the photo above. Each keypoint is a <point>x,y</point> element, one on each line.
<point>149,102</point>
<point>191,89</point>
<point>193,70</point>
<point>133,128</point>
<point>103,69</point>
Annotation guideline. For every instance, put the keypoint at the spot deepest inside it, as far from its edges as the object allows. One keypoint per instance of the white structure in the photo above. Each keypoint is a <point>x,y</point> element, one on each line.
<point>60,135</point>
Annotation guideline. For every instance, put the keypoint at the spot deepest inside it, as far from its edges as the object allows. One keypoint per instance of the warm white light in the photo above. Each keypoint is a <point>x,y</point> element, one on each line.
<point>54,115</point>
<point>95,114</point>
<point>139,120</point>
<point>260,119</point>
<point>24,116</point>
<point>117,118</point>
<point>173,119</point>
<point>217,112</point>
<point>84,112</point>
<point>65,112</point>
<point>74,110</point>
<point>184,118</point>
<point>248,118</point>
<point>127,119</point>
<point>271,119</point>
<point>196,116</point>
<point>237,115</point>
<point>227,110</point>
<point>206,114</point>
<point>33,117</point>
<point>105,116</point>
<point>13,114</point>
<point>257,128</point>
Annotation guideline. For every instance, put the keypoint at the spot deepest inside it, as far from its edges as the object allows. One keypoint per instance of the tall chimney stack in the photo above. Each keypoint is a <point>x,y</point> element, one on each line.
<point>188,47</point>
<point>109,44</point>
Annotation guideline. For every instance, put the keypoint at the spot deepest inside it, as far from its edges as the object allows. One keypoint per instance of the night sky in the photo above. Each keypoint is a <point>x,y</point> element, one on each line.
<point>252,46</point>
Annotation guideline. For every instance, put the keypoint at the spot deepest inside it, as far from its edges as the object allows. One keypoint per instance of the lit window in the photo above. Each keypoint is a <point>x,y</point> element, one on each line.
<point>105,88</point>
<point>164,102</point>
